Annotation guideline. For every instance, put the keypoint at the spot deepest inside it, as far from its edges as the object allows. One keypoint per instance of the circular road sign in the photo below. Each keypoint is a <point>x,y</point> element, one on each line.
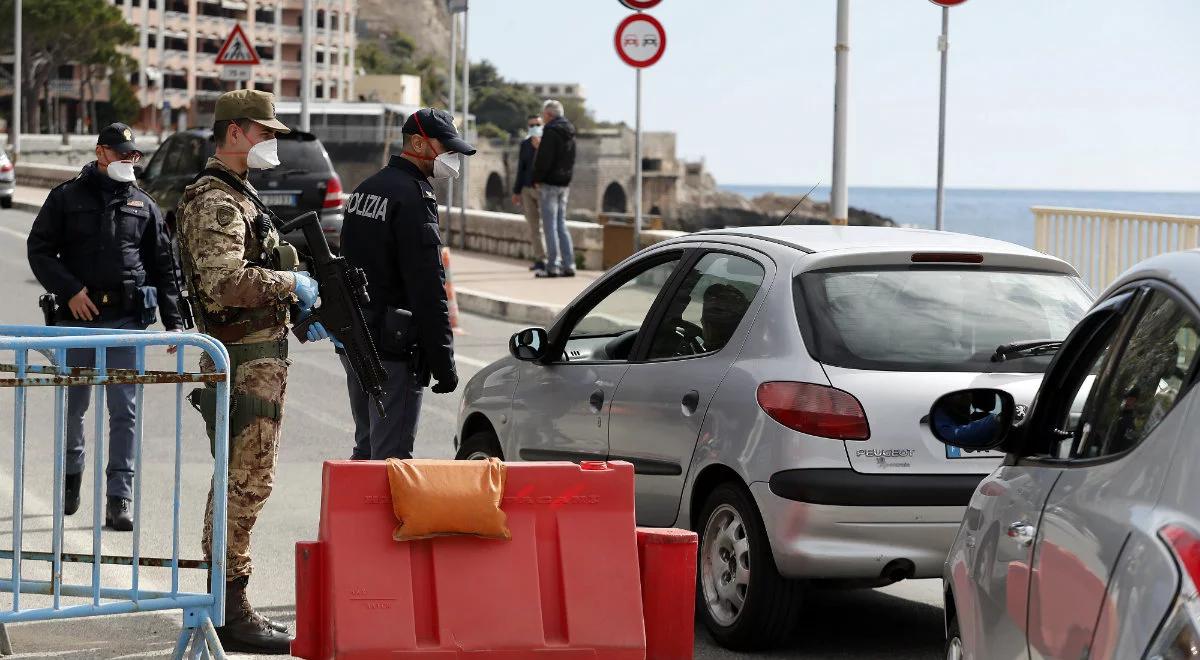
<point>947,3</point>
<point>640,5</point>
<point>640,40</point>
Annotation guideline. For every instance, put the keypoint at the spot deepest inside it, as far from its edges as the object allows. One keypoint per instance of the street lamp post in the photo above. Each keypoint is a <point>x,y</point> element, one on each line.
<point>14,131</point>
<point>306,68</point>
<point>463,161</point>
<point>838,206</point>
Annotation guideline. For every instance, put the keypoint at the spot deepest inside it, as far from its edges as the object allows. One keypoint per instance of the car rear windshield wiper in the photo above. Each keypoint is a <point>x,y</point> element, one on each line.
<point>1026,348</point>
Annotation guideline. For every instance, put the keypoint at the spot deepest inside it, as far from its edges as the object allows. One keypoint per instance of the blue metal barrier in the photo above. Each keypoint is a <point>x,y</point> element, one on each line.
<point>201,611</point>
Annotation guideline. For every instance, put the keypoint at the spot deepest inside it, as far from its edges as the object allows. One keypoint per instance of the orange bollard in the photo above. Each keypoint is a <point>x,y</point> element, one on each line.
<point>451,300</point>
<point>667,558</point>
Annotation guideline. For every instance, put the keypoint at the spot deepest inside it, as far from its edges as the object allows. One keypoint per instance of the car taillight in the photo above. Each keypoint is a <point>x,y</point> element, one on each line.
<point>1179,636</point>
<point>815,409</point>
<point>333,193</point>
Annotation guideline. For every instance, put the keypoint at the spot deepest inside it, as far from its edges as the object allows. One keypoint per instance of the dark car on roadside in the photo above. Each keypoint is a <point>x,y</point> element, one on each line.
<point>305,181</point>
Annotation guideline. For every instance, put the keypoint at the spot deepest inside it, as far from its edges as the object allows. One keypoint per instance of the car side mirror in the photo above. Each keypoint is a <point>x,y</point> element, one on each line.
<point>529,345</point>
<point>975,420</point>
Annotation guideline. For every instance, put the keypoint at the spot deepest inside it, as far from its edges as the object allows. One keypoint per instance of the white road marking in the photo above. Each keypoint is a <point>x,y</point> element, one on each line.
<point>478,364</point>
<point>13,232</point>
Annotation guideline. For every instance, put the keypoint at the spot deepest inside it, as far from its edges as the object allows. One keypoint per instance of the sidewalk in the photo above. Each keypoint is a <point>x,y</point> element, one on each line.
<point>484,284</point>
<point>506,289</point>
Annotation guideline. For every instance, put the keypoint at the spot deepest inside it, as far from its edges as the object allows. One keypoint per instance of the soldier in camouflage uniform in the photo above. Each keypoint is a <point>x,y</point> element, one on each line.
<point>243,284</point>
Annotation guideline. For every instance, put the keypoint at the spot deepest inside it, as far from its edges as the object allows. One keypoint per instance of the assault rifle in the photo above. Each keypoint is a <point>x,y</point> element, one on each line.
<point>343,293</point>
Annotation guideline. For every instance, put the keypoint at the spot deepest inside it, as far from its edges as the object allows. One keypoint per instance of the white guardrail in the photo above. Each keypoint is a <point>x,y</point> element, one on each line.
<point>1103,244</point>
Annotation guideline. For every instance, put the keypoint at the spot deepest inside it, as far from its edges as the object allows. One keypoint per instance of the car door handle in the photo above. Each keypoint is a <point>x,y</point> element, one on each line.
<point>1023,533</point>
<point>597,401</point>
<point>690,402</point>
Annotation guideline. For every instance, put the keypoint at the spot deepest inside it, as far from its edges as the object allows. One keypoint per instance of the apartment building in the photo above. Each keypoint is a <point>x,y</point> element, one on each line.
<point>179,41</point>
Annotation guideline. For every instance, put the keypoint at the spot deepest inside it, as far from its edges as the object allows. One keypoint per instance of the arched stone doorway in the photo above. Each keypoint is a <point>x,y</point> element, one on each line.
<point>614,199</point>
<point>493,193</point>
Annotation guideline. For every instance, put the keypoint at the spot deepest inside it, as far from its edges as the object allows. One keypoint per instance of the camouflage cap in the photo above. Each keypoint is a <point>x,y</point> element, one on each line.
<point>252,104</point>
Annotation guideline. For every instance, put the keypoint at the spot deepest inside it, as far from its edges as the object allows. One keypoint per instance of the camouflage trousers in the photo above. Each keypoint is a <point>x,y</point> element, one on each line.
<point>253,454</point>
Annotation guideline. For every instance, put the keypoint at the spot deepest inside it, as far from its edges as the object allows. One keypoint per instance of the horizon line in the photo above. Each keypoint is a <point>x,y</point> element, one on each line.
<point>965,188</point>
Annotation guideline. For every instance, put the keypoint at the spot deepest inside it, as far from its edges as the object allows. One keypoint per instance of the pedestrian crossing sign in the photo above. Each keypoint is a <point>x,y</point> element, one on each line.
<point>237,50</point>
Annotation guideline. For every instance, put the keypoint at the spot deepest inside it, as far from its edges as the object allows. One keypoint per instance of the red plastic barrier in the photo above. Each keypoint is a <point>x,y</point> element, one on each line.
<point>566,587</point>
<point>668,563</point>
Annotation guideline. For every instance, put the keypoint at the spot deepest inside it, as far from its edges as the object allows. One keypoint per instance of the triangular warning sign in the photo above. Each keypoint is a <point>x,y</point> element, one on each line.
<point>237,49</point>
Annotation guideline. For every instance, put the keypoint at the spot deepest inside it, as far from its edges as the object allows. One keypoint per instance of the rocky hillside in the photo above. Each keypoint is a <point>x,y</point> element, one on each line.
<point>705,206</point>
<point>426,21</point>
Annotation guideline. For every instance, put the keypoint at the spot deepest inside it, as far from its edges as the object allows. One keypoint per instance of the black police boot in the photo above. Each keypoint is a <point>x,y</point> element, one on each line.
<point>245,631</point>
<point>274,625</point>
<point>71,485</point>
<point>118,516</point>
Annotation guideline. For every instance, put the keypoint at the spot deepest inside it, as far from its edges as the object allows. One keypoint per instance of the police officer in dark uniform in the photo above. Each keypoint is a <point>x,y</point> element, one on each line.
<point>391,232</point>
<point>100,246</point>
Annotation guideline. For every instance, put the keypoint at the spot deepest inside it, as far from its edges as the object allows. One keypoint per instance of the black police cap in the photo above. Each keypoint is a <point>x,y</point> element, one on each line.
<point>438,125</point>
<point>117,137</point>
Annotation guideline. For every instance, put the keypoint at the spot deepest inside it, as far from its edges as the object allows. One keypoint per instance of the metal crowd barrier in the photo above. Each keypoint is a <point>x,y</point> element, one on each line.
<point>201,611</point>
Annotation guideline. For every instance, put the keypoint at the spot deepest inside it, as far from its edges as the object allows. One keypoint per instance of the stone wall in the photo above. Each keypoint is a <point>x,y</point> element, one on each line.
<point>507,235</point>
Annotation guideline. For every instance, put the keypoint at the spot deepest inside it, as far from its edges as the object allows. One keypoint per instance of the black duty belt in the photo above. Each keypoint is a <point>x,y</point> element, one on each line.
<point>107,297</point>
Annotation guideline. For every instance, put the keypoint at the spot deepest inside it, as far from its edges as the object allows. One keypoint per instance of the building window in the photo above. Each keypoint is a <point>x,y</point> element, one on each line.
<point>177,6</point>
<point>66,72</point>
<point>135,3</point>
<point>333,92</point>
<point>265,52</point>
<point>208,9</point>
<point>152,40</point>
<point>333,59</point>
<point>320,19</point>
<point>120,3</point>
<point>264,16</point>
<point>333,21</point>
<point>320,92</point>
<point>154,4</point>
<point>133,79</point>
<point>320,57</point>
<point>266,87</point>
<point>568,90</point>
<point>175,43</point>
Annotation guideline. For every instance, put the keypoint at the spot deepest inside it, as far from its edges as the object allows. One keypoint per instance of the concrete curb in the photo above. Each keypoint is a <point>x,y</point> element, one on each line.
<point>26,206</point>
<point>507,309</point>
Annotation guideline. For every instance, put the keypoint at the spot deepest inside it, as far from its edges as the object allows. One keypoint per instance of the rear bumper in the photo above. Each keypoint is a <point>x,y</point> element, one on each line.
<point>844,487</point>
<point>810,540</point>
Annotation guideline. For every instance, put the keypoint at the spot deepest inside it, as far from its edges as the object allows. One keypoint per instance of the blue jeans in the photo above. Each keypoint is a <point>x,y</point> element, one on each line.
<point>119,399</point>
<point>560,253</point>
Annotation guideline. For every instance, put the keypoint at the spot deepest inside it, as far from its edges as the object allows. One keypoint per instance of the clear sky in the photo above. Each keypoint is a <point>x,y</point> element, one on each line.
<point>1068,94</point>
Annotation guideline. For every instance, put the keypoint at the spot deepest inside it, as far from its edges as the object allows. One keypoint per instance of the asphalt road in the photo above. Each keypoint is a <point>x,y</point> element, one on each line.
<point>902,621</point>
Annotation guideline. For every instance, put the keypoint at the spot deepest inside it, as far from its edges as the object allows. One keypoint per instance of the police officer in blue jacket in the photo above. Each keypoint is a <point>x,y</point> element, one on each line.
<point>391,232</point>
<point>100,246</point>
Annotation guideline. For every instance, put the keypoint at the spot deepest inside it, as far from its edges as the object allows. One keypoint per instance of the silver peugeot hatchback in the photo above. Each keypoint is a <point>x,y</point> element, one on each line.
<point>1085,542</point>
<point>770,387</point>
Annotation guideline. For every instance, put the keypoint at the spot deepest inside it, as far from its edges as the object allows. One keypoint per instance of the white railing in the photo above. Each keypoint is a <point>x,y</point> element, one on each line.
<point>1103,244</point>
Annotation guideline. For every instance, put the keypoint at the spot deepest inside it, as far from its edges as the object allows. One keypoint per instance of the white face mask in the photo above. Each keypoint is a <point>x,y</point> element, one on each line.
<point>535,131</point>
<point>264,155</point>
<point>447,165</point>
<point>121,171</point>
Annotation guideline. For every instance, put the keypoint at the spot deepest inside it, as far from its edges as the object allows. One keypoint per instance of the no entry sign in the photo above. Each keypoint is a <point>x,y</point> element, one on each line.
<point>947,3</point>
<point>640,5</point>
<point>640,40</point>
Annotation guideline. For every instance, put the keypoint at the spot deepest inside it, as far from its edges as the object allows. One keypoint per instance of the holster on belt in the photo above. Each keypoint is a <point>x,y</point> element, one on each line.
<point>243,408</point>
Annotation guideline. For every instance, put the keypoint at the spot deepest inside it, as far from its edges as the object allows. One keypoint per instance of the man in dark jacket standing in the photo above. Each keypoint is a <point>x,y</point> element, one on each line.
<point>524,194</point>
<point>100,245</point>
<point>552,170</point>
<point>391,232</point>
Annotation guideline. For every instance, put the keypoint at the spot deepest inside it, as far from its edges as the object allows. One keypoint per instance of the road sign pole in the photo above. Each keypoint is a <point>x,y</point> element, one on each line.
<point>944,46</point>
<point>839,212</point>
<point>14,131</point>
<point>306,69</point>
<point>466,172</point>
<point>637,163</point>
<point>453,76</point>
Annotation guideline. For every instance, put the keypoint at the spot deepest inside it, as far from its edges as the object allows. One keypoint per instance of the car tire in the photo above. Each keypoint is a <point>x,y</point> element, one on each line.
<point>5,202</point>
<point>480,445</point>
<point>954,644</point>
<point>740,596</point>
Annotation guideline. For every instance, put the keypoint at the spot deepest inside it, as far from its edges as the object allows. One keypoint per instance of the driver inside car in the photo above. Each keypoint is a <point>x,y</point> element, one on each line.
<point>724,307</point>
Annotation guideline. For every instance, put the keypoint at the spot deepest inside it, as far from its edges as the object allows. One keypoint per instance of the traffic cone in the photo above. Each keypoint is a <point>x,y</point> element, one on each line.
<point>451,300</point>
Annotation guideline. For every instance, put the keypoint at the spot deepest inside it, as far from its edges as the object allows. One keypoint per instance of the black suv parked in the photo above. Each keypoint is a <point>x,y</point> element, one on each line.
<point>305,181</point>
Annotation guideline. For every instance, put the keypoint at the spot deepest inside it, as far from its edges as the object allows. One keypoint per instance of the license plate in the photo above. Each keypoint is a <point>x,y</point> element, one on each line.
<point>279,199</point>
<point>955,452</point>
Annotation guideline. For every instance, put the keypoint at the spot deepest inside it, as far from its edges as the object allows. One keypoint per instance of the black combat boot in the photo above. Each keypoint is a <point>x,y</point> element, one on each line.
<point>119,516</point>
<point>71,485</point>
<point>278,627</point>
<point>245,631</point>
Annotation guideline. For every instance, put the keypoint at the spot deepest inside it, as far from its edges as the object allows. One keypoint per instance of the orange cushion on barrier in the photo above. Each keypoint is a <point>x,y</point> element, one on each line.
<point>437,498</point>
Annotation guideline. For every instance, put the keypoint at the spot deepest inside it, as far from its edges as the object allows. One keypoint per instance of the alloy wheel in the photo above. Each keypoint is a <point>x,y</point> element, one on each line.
<point>725,565</point>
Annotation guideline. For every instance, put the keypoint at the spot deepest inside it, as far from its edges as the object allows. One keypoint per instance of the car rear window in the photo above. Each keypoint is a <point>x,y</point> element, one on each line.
<point>301,153</point>
<point>934,319</point>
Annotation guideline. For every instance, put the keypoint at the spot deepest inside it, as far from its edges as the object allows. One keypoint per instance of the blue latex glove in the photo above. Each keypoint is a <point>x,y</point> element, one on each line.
<point>317,332</point>
<point>306,290</point>
<point>337,344</point>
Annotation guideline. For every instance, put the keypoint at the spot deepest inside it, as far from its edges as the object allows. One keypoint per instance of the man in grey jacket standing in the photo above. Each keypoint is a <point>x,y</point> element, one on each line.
<point>552,170</point>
